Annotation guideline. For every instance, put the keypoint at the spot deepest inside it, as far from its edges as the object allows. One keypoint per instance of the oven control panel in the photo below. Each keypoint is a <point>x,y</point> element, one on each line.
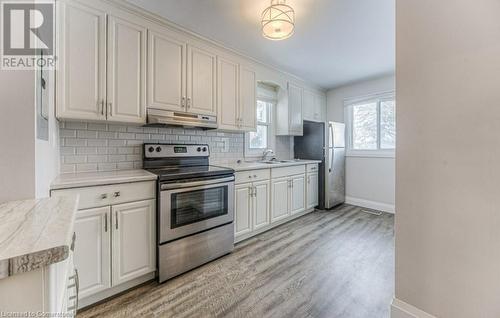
<point>174,150</point>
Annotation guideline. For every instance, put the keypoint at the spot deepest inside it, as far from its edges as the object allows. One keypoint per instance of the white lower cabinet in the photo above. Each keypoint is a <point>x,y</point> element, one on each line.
<point>92,256</point>
<point>280,199</point>
<point>312,190</point>
<point>133,233</point>
<point>251,207</point>
<point>115,230</point>
<point>297,194</point>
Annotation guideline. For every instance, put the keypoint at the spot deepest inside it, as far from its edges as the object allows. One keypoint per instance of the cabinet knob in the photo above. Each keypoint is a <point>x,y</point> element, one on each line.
<point>255,176</point>
<point>104,196</point>
<point>117,194</point>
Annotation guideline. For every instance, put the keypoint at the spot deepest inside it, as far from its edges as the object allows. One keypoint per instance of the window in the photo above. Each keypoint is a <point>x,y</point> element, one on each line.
<point>258,141</point>
<point>372,126</point>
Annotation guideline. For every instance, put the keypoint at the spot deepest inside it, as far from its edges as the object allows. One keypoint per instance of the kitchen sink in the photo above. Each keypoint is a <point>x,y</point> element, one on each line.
<point>276,161</point>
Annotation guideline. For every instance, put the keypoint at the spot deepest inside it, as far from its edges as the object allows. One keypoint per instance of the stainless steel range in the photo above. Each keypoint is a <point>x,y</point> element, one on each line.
<point>195,207</point>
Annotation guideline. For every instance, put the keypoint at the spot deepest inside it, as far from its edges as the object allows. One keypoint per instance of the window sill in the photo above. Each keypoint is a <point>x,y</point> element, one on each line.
<point>371,154</point>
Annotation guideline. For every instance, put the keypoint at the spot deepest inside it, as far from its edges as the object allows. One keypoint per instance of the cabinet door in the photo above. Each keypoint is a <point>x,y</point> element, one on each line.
<point>134,243</point>
<point>166,71</point>
<point>126,70</point>
<point>227,94</point>
<point>261,216</point>
<point>248,101</point>
<point>201,81</point>
<point>312,190</point>
<point>308,105</point>
<point>243,209</point>
<point>81,79</point>
<point>295,109</point>
<point>92,257</point>
<point>298,194</point>
<point>319,108</point>
<point>280,199</point>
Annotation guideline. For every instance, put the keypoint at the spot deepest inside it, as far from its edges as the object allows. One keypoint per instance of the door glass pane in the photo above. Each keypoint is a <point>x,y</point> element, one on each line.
<point>364,126</point>
<point>258,139</point>
<point>388,124</point>
<point>261,111</point>
<point>194,206</point>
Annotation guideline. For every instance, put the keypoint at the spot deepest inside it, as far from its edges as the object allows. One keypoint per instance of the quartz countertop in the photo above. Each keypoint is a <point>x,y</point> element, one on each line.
<point>35,233</point>
<point>88,179</point>
<point>245,166</point>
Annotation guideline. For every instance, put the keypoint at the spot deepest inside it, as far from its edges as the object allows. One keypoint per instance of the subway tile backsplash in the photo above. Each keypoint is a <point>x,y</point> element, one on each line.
<point>105,147</point>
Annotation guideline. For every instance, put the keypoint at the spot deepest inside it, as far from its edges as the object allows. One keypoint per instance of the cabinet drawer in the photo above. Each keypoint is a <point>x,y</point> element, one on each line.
<point>252,175</point>
<point>312,167</point>
<point>287,171</point>
<point>92,197</point>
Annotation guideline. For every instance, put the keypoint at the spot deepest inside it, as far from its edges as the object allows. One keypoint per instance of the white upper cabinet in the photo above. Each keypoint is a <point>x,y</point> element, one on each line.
<point>100,79</point>
<point>201,81</point>
<point>166,71</point>
<point>313,106</point>
<point>126,70</point>
<point>248,101</point>
<point>236,96</point>
<point>227,94</point>
<point>289,112</point>
<point>81,81</point>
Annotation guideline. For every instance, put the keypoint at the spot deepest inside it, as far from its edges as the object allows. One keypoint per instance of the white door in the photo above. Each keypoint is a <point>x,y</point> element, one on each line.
<point>81,79</point>
<point>126,70</point>
<point>298,194</point>
<point>295,109</point>
<point>92,257</point>
<point>261,202</point>
<point>201,81</point>
<point>243,209</point>
<point>280,198</point>
<point>227,94</point>
<point>248,99</point>
<point>134,242</point>
<point>166,71</point>
<point>312,190</point>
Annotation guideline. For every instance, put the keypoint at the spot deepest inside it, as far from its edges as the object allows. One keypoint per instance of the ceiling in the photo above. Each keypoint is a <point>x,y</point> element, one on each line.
<point>335,42</point>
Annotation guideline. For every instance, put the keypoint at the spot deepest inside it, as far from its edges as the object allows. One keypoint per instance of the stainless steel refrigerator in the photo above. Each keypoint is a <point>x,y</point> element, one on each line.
<point>327,145</point>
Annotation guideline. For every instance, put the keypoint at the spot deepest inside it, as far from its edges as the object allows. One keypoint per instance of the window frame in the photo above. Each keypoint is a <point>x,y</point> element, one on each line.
<point>348,107</point>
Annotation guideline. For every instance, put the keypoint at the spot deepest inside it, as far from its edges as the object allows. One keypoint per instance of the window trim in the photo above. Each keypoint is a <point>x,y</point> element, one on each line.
<point>348,107</point>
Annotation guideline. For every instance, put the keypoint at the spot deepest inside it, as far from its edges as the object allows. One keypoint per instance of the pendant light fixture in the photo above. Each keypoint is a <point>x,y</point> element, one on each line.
<point>278,21</point>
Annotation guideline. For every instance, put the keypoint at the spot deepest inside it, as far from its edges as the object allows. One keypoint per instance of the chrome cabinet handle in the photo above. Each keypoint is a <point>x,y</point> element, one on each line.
<point>116,220</point>
<point>117,194</point>
<point>104,196</point>
<point>183,101</point>
<point>110,109</point>
<point>255,176</point>
<point>106,222</point>
<point>77,288</point>
<point>189,102</point>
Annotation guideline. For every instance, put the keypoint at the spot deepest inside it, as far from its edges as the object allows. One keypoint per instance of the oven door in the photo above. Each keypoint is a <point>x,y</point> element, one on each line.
<point>194,206</point>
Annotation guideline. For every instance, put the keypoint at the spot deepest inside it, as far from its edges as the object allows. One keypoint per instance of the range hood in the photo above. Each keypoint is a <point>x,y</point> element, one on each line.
<point>157,117</point>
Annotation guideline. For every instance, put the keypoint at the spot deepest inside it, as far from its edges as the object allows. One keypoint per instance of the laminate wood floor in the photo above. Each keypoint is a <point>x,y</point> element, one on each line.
<point>336,263</point>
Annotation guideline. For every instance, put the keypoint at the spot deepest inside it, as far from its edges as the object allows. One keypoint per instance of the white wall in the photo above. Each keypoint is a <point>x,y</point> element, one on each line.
<point>370,182</point>
<point>448,157</point>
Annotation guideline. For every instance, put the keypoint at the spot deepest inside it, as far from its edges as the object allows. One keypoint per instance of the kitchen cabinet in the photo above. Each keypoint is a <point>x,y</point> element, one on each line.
<point>133,232</point>
<point>92,256</point>
<point>115,226</point>
<point>314,106</point>
<point>102,64</point>
<point>243,209</point>
<point>289,112</point>
<point>312,190</point>
<point>251,207</point>
<point>181,76</point>
<point>280,198</point>
<point>297,194</point>
<point>237,99</point>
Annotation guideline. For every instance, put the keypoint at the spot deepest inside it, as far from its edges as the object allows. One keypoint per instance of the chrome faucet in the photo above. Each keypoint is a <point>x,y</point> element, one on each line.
<point>267,152</point>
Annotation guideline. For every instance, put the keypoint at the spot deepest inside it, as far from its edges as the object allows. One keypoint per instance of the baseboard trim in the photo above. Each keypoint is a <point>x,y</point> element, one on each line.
<point>389,208</point>
<point>400,309</point>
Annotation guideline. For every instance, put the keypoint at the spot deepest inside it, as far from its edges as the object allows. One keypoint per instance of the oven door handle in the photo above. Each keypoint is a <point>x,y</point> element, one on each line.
<point>179,185</point>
